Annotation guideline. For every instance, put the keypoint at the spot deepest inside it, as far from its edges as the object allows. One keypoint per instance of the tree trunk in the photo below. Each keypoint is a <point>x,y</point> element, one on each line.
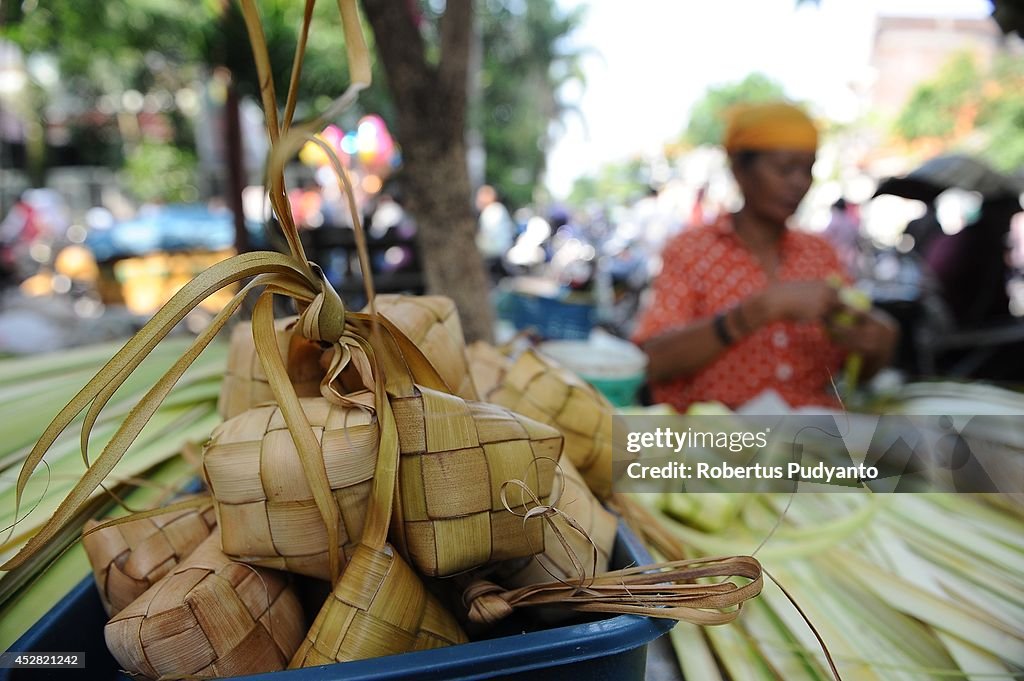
<point>233,154</point>
<point>431,105</point>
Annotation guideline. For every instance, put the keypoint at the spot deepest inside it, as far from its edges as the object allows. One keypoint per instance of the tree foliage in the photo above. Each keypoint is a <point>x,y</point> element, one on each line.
<point>108,47</point>
<point>526,62</point>
<point>325,66</point>
<point>707,123</point>
<point>103,46</point>
<point>161,172</point>
<point>614,184</point>
<point>1001,115</point>
<point>981,108</point>
<point>934,106</point>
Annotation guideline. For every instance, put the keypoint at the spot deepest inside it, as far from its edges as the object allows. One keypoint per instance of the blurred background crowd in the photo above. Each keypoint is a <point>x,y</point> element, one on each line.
<point>586,137</point>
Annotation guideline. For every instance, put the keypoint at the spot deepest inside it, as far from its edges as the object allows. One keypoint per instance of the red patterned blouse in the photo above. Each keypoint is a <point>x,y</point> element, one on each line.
<point>707,270</point>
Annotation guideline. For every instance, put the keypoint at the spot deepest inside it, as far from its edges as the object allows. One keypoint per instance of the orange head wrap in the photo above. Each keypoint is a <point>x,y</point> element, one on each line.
<point>769,126</point>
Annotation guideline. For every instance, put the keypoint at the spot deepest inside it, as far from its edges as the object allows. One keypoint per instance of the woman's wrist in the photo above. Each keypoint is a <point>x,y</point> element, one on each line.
<point>724,328</point>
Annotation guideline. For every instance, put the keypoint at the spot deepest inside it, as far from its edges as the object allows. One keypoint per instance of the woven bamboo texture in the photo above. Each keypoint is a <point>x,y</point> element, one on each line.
<point>386,610</point>
<point>487,367</point>
<point>379,606</point>
<point>210,617</point>
<point>455,456</point>
<point>265,507</point>
<point>432,323</point>
<point>245,382</point>
<point>601,526</point>
<point>130,557</point>
<point>537,388</point>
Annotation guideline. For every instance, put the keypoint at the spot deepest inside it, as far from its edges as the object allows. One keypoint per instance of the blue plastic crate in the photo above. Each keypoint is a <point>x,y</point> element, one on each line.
<point>611,649</point>
<point>549,317</point>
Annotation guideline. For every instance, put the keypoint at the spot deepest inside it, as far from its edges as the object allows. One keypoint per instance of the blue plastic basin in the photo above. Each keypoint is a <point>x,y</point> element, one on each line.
<point>612,649</point>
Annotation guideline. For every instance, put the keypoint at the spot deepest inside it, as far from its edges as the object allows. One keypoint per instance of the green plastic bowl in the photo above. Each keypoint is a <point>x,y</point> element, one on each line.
<point>621,392</point>
<point>617,370</point>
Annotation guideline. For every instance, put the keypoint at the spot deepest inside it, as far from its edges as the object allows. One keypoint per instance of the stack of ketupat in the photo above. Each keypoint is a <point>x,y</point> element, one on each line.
<point>354,452</point>
<point>206,587</point>
<point>263,513</point>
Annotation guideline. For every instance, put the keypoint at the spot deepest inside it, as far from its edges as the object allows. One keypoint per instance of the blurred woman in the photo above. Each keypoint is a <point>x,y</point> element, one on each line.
<point>746,304</point>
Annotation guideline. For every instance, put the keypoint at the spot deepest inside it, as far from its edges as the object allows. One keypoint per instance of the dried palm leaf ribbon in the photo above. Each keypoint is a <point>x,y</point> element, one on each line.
<point>595,536</point>
<point>455,457</point>
<point>291,275</point>
<point>433,324</point>
<point>280,272</point>
<point>287,497</point>
<point>561,556</point>
<point>665,590</point>
<point>245,385</point>
<point>323,320</point>
<point>379,606</point>
<point>265,505</point>
<point>284,139</point>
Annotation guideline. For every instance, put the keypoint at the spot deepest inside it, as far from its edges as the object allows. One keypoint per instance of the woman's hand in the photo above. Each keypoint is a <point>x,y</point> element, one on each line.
<point>870,333</point>
<point>798,301</point>
<point>873,334</point>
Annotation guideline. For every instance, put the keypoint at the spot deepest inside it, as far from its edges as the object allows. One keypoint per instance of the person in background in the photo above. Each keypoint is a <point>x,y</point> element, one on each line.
<point>389,219</point>
<point>843,232</point>
<point>972,267</point>
<point>18,230</point>
<point>746,304</point>
<point>496,230</point>
<point>924,229</point>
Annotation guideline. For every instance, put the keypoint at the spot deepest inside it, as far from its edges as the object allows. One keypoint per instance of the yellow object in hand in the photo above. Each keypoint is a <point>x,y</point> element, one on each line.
<point>854,300</point>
